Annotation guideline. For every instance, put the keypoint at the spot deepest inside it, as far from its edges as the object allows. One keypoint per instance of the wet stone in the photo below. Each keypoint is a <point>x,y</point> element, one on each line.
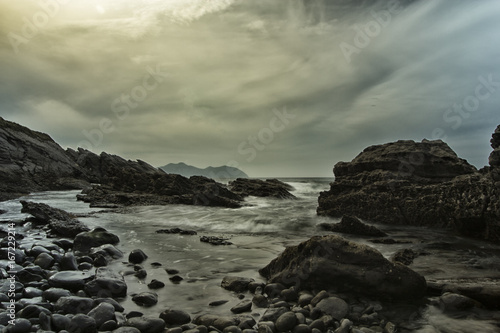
<point>74,305</point>
<point>155,284</point>
<point>175,317</point>
<point>82,323</point>
<point>146,324</point>
<point>333,306</point>
<point>244,306</point>
<point>137,256</point>
<point>145,299</point>
<point>286,322</point>
<point>102,313</point>
<point>235,283</point>
<point>72,280</point>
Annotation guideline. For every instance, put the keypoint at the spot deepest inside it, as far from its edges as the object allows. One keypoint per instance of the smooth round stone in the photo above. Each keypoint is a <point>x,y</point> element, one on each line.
<point>102,313</point>
<point>146,324</point>
<point>175,317</point>
<point>137,256</point>
<point>109,325</point>
<point>74,304</point>
<point>44,260</point>
<point>134,314</point>
<point>53,294</point>
<point>334,306</point>
<point>85,266</point>
<point>82,323</point>
<point>286,322</point>
<point>37,250</point>
<point>31,292</point>
<point>111,301</point>
<point>72,280</point>
<point>302,328</point>
<point>21,325</point>
<point>126,329</point>
<point>60,322</point>
<point>145,299</point>
<point>32,311</point>
<point>68,262</point>
<point>232,329</point>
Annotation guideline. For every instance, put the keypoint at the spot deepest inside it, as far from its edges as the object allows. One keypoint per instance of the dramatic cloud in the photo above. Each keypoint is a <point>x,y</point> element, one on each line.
<point>276,87</point>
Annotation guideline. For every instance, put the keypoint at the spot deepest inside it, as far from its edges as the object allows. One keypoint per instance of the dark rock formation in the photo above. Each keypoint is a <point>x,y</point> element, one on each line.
<point>416,183</point>
<point>137,188</point>
<point>214,240</point>
<point>333,262</point>
<point>260,188</point>
<point>352,225</point>
<point>486,291</point>
<point>59,221</point>
<point>32,161</point>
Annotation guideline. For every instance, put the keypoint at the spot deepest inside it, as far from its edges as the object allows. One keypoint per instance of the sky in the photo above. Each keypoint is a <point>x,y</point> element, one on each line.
<point>277,88</point>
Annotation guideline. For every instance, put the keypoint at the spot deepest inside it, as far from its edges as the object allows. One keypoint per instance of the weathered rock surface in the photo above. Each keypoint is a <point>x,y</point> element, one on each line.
<point>417,183</point>
<point>333,262</point>
<point>486,291</point>
<point>353,226</point>
<point>31,161</point>
<point>125,183</point>
<point>84,241</point>
<point>260,188</point>
<point>58,220</point>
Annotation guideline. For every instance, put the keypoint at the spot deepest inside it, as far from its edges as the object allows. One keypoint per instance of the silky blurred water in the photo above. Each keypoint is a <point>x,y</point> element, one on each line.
<point>259,232</point>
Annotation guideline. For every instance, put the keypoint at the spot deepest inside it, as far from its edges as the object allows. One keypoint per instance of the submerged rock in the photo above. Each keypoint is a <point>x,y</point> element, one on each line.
<point>352,225</point>
<point>332,262</point>
<point>214,240</point>
<point>236,283</point>
<point>417,183</point>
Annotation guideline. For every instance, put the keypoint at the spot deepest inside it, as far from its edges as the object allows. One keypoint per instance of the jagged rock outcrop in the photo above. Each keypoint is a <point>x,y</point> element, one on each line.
<point>59,221</point>
<point>494,159</point>
<point>417,183</point>
<point>154,189</point>
<point>31,161</point>
<point>260,188</point>
<point>332,262</point>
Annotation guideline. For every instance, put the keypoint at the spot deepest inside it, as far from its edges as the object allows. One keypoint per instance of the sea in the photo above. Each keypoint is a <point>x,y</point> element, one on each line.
<point>259,232</point>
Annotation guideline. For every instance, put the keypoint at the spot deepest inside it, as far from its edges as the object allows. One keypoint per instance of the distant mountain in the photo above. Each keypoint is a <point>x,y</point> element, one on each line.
<point>222,172</point>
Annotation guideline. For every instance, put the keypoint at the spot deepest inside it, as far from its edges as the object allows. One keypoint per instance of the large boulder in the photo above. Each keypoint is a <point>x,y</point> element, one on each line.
<point>332,262</point>
<point>96,237</point>
<point>415,183</point>
<point>260,188</point>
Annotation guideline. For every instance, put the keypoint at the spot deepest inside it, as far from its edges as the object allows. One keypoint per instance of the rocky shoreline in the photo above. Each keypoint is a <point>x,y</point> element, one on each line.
<point>66,283</point>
